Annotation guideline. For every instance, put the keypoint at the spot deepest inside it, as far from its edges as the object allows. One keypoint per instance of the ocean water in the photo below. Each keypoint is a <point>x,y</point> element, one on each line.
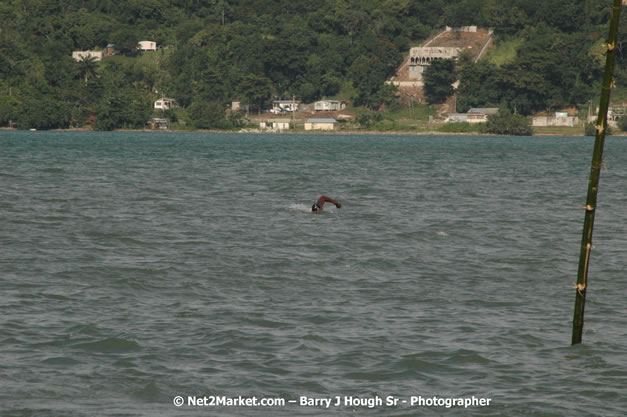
<point>138,267</point>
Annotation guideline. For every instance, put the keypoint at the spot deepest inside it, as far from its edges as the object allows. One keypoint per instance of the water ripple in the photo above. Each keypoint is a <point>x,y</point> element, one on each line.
<point>137,267</point>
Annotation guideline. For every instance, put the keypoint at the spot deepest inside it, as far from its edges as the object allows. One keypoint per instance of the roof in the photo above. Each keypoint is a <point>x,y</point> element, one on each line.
<point>279,120</point>
<point>328,101</point>
<point>484,110</point>
<point>321,121</point>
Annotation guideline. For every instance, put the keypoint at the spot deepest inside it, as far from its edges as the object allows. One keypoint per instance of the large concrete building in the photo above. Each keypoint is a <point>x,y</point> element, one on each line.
<point>421,57</point>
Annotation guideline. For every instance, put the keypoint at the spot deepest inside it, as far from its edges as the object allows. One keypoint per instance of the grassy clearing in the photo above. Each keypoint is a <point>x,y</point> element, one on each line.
<point>558,130</point>
<point>503,52</point>
<point>346,92</point>
<point>462,127</point>
<point>401,115</point>
<point>417,112</point>
<point>146,59</point>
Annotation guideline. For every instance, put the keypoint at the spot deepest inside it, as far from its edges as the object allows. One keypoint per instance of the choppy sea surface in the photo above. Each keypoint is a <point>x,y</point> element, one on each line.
<point>138,267</point>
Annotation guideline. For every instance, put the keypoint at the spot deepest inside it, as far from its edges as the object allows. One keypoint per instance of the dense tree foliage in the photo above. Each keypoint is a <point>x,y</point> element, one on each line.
<point>439,78</point>
<point>505,123</point>
<point>253,51</point>
<point>552,70</point>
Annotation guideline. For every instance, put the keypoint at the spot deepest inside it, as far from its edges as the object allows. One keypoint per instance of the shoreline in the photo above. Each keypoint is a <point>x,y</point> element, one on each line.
<point>316,132</point>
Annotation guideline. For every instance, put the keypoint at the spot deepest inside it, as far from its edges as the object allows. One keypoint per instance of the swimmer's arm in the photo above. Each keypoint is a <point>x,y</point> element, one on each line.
<point>325,199</point>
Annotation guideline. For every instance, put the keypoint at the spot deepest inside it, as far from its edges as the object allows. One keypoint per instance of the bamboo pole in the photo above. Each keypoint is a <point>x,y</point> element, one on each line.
<point>595,173</point>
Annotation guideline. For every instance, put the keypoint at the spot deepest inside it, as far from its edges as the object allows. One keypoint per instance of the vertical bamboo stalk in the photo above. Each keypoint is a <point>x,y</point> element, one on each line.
<point>595,173</point>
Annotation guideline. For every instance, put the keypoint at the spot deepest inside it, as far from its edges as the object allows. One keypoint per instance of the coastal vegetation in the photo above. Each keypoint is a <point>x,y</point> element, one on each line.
<point>590,129</point>
<point>213,52</point>
<point>505,123</point>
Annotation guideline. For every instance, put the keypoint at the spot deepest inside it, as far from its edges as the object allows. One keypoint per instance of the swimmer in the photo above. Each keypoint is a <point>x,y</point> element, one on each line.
<point>317,206</point>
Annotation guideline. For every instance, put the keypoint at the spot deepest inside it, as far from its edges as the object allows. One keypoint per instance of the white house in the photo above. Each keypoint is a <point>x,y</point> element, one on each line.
<point>280,106</point>
<point>80,55</point>
<point>329,105</point>
<point>458,117</point>
<point>320,124</point>
<point>474,115</point>
<point>275,124</point>
<point>281,124</point>
<point>165,103</point>
<point>147,46</point>
<point>480,114</point>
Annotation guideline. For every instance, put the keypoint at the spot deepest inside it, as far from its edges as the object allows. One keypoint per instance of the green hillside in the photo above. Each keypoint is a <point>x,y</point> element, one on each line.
<point>503,52</point>
<point>212,52</point>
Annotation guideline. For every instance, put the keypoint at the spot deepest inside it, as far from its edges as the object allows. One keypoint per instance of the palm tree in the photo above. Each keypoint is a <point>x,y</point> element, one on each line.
<point>87,66</point>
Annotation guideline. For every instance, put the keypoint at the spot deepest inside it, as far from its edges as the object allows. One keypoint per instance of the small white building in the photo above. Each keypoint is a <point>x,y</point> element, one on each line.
<point>165,103</point>
<point>615,112</point>
<point>281,106</point>
<point>80,55</point>
<point>110,50</point>
<point>560,119</point>
<point>155,123</point>
<point>320,124</point>
<point>275,124</point>
<point>472,29</point>
<point>147,46</point>
<point>281,124</point>
<point>457,117</point>
<point>329,105</point>
<point>480,114</point>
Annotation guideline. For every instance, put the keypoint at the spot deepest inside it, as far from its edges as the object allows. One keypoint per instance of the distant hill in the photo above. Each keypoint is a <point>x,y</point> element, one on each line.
<point>212,52</point>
